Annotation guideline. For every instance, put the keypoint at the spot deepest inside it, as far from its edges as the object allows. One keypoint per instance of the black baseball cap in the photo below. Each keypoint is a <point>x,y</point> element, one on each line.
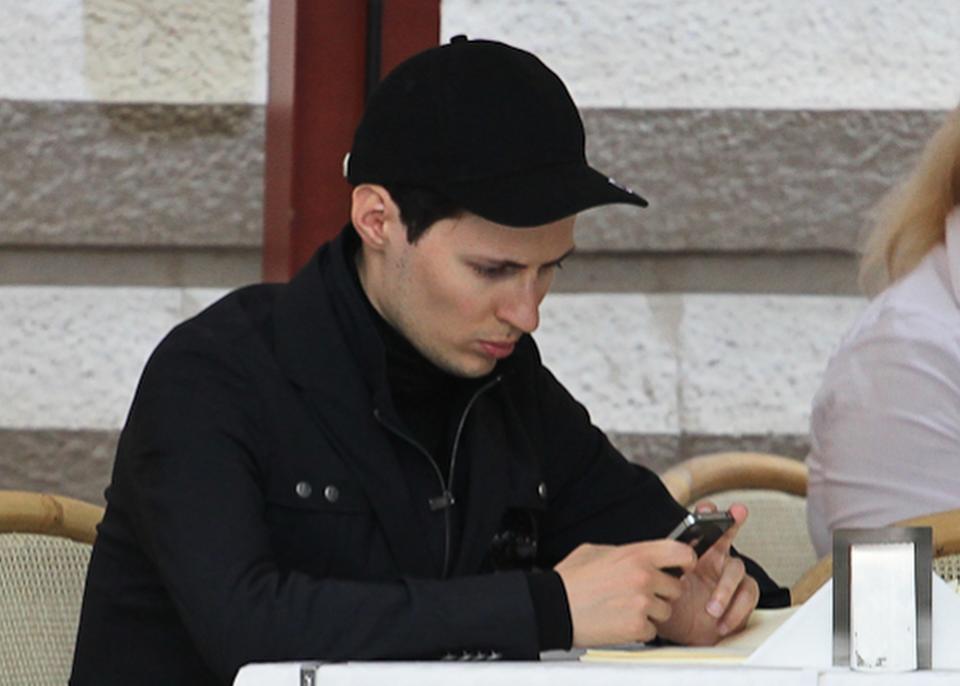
<point>487,125</point>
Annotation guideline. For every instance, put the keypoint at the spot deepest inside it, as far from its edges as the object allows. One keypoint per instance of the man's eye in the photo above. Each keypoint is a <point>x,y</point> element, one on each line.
<point>490,272</point>
<point>550,267</point>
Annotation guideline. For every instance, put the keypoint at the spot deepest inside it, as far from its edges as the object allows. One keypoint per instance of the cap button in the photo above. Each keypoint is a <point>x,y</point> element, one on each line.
<point>459,38</point>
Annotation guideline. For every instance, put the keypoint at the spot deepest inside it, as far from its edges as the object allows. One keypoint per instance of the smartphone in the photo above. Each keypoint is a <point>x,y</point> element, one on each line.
<point>700,530</point>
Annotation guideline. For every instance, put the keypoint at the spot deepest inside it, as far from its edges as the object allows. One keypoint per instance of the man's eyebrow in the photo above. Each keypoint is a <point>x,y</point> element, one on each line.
<point>520,265</point>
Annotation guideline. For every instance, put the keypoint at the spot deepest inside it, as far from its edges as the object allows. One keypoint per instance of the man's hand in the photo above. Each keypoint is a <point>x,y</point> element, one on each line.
<point>717,596</point>
<point>619,594</point>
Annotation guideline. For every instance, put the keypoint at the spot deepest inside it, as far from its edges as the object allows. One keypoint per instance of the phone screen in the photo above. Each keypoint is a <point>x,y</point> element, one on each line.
<point>700,530</point>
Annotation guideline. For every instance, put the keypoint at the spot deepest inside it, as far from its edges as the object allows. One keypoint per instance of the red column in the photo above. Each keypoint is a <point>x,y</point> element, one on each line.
<point>315,99</point>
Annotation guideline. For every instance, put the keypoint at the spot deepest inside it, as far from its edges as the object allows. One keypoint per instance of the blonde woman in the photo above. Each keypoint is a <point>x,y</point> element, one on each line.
<point>885,430</point>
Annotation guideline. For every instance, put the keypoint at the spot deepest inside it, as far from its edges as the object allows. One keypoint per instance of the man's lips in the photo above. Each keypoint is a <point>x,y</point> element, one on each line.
<point>497,350</point>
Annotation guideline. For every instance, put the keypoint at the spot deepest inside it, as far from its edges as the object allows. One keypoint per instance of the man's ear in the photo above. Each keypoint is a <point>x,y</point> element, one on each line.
<point>374,215</point>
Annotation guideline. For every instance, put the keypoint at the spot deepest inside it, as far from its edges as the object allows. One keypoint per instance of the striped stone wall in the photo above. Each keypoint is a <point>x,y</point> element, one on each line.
<point>753,126</point>
<point>133,130</point>
<point>131,176</point>
<point>667,376</point>
<point>131,192</point>
<point>132,141</point>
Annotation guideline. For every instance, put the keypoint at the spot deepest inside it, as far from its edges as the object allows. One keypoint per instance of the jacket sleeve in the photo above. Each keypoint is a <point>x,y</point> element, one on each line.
<point>600,497</point>
<point>187,475</point>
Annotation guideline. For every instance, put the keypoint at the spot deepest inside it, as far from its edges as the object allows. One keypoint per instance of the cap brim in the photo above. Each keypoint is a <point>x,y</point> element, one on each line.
<point>542,196</point>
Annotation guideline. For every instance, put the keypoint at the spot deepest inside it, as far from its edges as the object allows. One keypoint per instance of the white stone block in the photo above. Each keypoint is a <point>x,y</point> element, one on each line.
<point>764,54</point>
<point>751,364</point>
<point>615,354</point>
<point>70,358</point>
<point>160,51</point>
<point>196,299</point>
<point>643,365</point>
<point>41,50</point>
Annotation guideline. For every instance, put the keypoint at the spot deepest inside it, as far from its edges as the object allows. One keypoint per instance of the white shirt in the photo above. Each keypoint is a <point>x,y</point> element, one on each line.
<point>885,429</point>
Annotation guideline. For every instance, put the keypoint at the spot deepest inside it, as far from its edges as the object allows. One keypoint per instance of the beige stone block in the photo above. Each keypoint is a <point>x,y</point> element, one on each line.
<point>72,463</point>
<point>81,174</point>
<point>747,181</point>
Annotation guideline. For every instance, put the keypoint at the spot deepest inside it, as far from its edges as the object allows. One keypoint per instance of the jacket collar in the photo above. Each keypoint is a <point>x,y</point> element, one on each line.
<point>328,348</point>
<point>323,313</point>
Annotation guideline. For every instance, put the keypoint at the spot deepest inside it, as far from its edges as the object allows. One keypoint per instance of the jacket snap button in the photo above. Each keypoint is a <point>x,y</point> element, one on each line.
<point>542,490</point>
<point>332,494</point>
<point>304,489</point>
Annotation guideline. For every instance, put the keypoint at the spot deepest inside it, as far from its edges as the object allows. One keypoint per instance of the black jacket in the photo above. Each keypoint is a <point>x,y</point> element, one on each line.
<point>257,510</point>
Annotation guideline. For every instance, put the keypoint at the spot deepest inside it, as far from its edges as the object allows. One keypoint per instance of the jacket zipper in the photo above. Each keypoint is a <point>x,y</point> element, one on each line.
<point>446,499</point>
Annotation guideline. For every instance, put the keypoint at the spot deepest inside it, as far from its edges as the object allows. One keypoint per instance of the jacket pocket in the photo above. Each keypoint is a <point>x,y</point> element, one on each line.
<point>324,527</point>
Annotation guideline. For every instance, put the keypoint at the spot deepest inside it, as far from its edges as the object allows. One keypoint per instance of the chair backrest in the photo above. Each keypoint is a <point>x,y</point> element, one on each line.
<point>773,487</point>
<point>946,554</point>
<point>45,544</point>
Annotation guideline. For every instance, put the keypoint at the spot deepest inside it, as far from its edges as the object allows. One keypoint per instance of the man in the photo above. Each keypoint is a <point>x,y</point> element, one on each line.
<point>371,462</point>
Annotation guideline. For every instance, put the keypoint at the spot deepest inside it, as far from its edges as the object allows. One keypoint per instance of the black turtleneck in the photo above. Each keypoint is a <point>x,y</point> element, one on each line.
<point>425,397</point>
<point>429,401</point>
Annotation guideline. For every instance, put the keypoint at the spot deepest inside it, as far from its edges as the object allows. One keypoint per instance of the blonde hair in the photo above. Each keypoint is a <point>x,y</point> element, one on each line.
<point>910,218</point>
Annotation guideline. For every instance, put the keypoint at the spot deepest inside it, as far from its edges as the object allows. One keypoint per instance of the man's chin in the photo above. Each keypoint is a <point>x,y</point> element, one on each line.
<point>465,363</point>
<point>473,368</point>
<point>476,371</point>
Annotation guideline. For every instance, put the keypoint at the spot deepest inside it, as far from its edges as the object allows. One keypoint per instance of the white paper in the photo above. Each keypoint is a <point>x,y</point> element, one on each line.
<point>269,674</point>
<point>883,607</point>
<point>806,639</point>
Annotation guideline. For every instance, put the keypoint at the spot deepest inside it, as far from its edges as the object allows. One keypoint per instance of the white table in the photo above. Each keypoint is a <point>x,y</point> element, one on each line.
<point>567,673</point>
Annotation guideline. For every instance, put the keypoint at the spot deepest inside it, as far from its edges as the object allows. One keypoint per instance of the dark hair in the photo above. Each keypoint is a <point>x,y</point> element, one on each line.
<point>420,208</point>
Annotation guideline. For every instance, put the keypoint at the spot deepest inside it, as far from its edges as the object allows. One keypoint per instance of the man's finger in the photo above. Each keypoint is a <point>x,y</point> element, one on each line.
<point>672,558</point>
<point>663,553</point>
<point>741,606</point>
<point>659,610</point>
<point>730,579</point>
<point>740,514</point>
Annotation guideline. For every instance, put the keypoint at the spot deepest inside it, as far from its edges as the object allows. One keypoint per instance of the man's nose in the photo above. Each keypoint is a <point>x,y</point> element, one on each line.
<point>522,309</point>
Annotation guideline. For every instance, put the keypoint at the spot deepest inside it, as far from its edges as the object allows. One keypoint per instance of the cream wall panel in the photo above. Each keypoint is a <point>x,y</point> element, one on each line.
<point>695,367</point>
<point>41,50</point>
<point>71,357</point>
<point>615,53</point>
<point>628,381</point>
<point>766,54</point>
<point>82,173</point>
<point>752,364</point>
<point>164,51</point>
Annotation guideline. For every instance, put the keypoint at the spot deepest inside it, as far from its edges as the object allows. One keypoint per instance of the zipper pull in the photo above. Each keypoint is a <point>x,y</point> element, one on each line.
<point>441,502</point>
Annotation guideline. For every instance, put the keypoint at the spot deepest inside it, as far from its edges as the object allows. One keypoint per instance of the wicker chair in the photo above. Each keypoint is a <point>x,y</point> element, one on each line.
<point>45,543</point>
<point>946,554</point>
<point>774,488</point>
